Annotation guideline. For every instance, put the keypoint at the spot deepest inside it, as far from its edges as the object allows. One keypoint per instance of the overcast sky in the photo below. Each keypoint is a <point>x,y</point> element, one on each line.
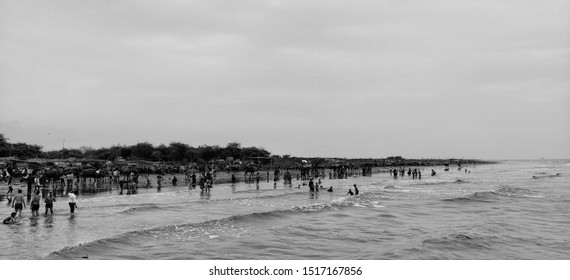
<point>467,79</point>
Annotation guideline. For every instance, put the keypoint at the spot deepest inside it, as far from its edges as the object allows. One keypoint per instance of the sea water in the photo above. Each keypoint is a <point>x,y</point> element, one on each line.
<point>509,210</point>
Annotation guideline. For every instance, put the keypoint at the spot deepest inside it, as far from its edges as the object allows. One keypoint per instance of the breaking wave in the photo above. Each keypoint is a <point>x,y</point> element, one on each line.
<point>546,176</point>
<point>491,196</point>
<point>218,226</point>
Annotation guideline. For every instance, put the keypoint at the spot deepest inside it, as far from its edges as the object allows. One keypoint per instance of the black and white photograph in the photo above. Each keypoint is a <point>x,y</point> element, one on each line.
<point>274,130</point>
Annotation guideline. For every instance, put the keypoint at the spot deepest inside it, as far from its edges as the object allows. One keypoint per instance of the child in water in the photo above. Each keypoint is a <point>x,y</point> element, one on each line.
<point>11,219</point>
<point>49,203</point>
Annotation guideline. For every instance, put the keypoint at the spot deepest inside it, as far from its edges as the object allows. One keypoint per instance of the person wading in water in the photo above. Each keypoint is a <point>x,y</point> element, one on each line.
<point>49,203</point>
<point>72,202</point>
<point>18,203</point>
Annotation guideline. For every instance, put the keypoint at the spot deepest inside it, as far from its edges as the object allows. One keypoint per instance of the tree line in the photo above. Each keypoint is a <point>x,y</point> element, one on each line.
<point>175,151</point>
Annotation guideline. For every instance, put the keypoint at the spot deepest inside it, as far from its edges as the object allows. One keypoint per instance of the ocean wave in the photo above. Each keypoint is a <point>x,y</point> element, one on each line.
<point>458,241</point>
<point>261,197</point>
<point>488,196</point>
<point>514,191</point>
<point>271,196</point>
<point>518,192</point>
<point>254,191</point>
<point>140,208</point>
<point>495,195</point>
<point>104,244</point>
<point>546,176</point>
<point>210,228</point>
<point>463,199</point>
<point>443,182</point>
<point>120,205</point>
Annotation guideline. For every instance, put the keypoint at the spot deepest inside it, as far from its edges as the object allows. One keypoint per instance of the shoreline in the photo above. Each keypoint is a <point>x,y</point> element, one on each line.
<point>224,177</point>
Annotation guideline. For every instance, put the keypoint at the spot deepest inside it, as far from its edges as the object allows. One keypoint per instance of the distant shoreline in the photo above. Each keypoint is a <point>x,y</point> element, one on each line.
<point>274,162</point>
<point>225,177</point>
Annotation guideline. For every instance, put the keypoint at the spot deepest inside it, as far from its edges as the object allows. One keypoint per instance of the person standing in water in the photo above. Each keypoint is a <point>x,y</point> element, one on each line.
<point>69,179</point>
<point>18,203</point>
<point>10,189</point>
<point>159,180</point>
<point>72,202</point>
<point>432,172</point>
<point>355,190</point>
<point>49,203</point>
<point>35,204</point>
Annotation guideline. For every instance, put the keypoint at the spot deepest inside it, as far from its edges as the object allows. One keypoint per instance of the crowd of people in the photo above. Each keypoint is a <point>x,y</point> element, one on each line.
<point>415,174</point>
<point>18,202</point>
<point>131,180</point>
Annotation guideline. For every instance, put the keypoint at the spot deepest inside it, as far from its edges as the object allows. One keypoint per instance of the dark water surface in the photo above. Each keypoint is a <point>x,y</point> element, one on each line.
<point>511,210</point>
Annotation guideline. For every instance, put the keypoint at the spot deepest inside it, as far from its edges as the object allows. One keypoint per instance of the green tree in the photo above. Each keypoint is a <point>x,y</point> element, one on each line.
<point>162,153</point>
<point>208,153</point>
<point>104,154</point>
<point>232,149</point>
<point>26,150</point>
<point>4,146</point>
<point>143,150</point>
<point>86,150</point>
<point>126,152</point>
<point>255,152</point>
<point>74,153</point>
<point>178,151</point>
<point>191,154</point>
